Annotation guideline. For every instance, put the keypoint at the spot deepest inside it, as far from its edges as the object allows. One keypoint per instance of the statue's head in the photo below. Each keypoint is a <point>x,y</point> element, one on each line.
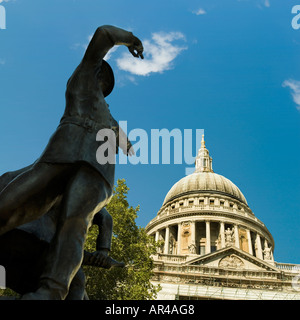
<point>107,78</point>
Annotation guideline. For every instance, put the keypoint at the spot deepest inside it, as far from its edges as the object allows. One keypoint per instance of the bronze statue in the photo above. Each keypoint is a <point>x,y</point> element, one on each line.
<point>24,253</point>
<point>68,171</point>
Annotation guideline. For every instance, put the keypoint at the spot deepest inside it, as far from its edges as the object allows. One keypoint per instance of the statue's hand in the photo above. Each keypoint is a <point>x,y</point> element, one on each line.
<point>136,47</point>
<point>96,258</point>
<point>127,148</point>
<point>130,150</point>
<point>101,259</point>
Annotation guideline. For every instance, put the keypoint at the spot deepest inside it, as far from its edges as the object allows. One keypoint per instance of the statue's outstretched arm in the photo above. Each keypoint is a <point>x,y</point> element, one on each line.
<point>106,37</point>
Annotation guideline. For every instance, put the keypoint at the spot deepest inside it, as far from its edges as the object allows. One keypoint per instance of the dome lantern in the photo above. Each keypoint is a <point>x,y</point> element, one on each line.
<point>203,161</point>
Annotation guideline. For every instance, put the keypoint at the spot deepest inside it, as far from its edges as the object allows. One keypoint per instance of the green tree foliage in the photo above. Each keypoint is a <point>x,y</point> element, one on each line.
<point>8,293</point>
<point>131,245</point>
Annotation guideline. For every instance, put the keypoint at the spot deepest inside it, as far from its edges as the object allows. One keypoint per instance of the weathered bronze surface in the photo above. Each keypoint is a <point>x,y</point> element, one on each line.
<point>68,173</point>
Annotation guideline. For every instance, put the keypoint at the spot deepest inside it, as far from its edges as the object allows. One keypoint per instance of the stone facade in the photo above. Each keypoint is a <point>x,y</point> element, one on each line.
<point>209,237</point>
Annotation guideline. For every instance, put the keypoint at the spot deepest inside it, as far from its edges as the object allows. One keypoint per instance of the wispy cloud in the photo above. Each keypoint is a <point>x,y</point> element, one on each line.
<point>294,85</point>
<point>110,52</point>
<point>160,52</point>
<point>2,61</point>
<point>261,4</point>
<point>199,12</point>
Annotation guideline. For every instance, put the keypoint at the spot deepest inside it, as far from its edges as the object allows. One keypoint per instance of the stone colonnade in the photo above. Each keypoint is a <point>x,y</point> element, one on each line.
<point>203,237</point>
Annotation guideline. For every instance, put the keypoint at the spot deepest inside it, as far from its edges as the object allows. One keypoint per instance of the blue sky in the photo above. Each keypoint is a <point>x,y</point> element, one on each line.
<point>229,67</point>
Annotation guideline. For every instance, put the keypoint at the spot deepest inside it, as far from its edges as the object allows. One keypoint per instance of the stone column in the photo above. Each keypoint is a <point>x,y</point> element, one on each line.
<point>236,236</point>
<point>207,244</point>
<point>167,240</point>
<point>193,238</point>
<point>258,247</point>
<point>249,242</point>
<point>179,239</point>
<point>222,234</point>
<point>272,256</point>
<point>157,236</point>
<point>193,232</point>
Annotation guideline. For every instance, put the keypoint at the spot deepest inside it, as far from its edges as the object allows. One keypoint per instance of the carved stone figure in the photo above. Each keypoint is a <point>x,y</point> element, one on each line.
<point>185,237</point>
<point>172,245</point>
<point>192,248</point>
<point>162,246</point>
<point>68,170</point>
<point>267,253</point>
<point>229,237</point>
<point>231,261</point>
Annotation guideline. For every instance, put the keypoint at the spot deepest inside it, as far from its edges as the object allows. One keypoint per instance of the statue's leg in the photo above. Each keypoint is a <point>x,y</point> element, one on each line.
<point>105,224</point>
<point>29,195</point>
<point>7,177</point>
<point>77,286</point>
<point>86,194</point>
<point>100,258</point>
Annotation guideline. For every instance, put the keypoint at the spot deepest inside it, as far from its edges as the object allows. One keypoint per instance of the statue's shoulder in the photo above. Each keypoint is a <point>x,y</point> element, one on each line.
<point>79,76</point>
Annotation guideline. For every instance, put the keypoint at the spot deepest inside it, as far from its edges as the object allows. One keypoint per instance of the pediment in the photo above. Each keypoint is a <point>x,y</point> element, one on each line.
<point>231,258</point>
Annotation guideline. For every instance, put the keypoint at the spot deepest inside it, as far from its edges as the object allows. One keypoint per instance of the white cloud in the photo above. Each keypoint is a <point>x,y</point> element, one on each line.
<point>294,85</point>
<point>110,52</point>
<point>199,12</point>
<point>263,3</point>
<point>159,54</point>
<point>2,61</point>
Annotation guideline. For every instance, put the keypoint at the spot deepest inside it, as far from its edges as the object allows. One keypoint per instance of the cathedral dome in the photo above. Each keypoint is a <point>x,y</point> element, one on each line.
<point>204,182</point>
<point>206,212</point>
<point>209,240</point>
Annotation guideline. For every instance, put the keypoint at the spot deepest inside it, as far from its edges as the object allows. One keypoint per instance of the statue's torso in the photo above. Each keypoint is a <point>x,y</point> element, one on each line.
<point>84,97</point>
<point>73,141</point>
